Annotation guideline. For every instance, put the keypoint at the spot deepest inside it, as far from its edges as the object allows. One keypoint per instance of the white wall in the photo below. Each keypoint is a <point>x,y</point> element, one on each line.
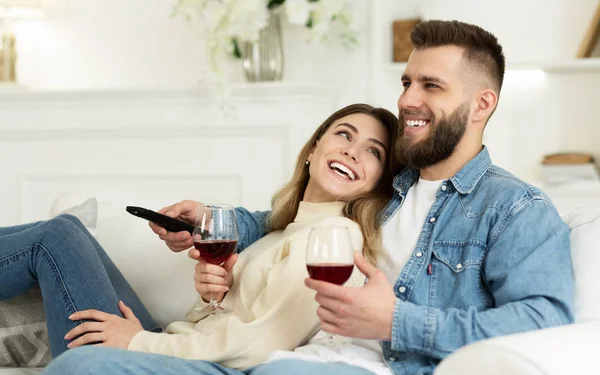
<point>538,113</point>
<point>531,30</point>
<point>152,148</point>
<point>91,44</point>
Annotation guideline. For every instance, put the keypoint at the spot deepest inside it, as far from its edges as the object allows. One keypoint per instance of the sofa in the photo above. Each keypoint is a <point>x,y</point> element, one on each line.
<point>158,276</point>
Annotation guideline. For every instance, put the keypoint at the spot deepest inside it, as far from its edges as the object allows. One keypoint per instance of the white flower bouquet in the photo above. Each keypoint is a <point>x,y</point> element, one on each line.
<point>228,23</point>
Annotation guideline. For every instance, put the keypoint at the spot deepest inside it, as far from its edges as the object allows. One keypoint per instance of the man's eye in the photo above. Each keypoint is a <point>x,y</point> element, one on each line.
<point>431,85</point>
<point>406,84</point>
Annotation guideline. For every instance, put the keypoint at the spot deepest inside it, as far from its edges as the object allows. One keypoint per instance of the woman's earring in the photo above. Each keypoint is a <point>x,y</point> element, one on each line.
<point>307,162</point>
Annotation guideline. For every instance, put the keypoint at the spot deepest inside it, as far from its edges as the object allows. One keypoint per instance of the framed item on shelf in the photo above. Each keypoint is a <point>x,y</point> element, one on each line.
<point>590,45</point>
<point>401,30</point>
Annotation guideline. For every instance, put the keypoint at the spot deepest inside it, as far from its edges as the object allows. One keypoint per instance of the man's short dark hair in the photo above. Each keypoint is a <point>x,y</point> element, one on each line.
<point>481,47</point>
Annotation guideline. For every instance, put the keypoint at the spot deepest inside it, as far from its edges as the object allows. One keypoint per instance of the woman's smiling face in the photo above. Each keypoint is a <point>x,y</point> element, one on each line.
<point>348,160</point>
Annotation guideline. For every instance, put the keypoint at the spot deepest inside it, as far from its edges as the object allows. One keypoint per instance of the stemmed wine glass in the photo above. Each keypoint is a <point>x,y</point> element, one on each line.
<point>330,257</point>
<point>215,236</point>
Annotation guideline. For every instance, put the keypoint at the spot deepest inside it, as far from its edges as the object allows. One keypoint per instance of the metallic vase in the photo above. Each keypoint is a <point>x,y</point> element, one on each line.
<point>263,59</point>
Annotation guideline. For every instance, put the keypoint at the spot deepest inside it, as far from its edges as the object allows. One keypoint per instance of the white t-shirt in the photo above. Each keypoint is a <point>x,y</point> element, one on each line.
<point>401,232</point>
<point>399,238</point>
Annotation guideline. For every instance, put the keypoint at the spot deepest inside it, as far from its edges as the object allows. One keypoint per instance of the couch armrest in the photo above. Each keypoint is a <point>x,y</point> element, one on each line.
<point>571,349</point>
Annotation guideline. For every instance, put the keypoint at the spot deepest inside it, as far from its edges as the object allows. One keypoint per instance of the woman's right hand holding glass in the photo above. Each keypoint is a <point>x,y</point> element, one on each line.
<point>213,277</point>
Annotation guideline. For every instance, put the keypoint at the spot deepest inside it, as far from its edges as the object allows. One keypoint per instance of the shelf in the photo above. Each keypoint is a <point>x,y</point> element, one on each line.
<point>13,94</point>
<point>588,65</point>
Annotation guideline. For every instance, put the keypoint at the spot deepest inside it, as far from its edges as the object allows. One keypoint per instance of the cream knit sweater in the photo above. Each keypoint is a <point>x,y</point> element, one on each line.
<point>272,308</point>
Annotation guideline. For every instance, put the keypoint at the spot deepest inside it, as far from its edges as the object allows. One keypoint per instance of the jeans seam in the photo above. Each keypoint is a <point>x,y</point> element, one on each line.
<point>8,260</point>
<point>65,297</point>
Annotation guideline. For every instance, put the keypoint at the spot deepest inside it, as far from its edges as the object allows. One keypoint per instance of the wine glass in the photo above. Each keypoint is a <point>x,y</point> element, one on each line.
<point>330,257</point>
<point>215,236</point>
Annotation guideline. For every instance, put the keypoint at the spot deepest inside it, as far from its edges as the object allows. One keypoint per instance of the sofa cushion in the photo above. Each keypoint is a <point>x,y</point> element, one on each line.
<point>568,349</point>
<point>23,332</point>
<point>585,254</point>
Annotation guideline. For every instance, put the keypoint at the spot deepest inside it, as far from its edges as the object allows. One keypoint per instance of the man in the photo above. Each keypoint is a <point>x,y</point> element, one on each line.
<point>470,251</point>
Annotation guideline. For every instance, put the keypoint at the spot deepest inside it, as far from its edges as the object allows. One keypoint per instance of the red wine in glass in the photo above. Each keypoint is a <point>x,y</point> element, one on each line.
<point>330,257</point>
<point>330,272</point>
<point>215,236</point>
<point>215,251</point>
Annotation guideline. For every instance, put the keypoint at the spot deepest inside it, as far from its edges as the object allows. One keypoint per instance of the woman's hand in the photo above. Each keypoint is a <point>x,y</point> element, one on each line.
<point>186,211</point>
<point>211,277</point>
<point>105,329</point>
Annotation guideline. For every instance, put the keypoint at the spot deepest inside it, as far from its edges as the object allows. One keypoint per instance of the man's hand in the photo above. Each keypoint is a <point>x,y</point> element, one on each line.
<point>366,312</point>
<point>212,277</point>
<point>184,210</point>
<point>106,329</point>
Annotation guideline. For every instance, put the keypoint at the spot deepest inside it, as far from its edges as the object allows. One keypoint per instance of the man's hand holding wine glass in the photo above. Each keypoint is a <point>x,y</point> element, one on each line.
<point>364,312</point>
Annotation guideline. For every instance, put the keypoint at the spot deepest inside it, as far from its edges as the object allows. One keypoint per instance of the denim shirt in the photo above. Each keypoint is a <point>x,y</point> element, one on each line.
<point>493,258</point>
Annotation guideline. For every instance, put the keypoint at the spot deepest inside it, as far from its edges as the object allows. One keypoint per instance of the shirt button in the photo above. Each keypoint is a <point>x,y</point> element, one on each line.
<point>402,289</point>
<point>459,266</point>
<point>391,359</point>
<point>432,220</point>
<point>444,187</point>
<point>419,254</point>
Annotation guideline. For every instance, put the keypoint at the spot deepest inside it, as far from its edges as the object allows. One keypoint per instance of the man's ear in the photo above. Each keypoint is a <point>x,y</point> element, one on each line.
<point>484,104</point>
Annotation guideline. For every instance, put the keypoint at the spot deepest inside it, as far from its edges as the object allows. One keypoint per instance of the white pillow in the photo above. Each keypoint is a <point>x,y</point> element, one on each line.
<point>23,332</point>
<point>585,255</point>
<point>86,211</point>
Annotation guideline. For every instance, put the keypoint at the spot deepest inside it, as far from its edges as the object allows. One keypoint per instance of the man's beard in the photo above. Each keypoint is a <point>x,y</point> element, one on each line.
<point>439,144</point>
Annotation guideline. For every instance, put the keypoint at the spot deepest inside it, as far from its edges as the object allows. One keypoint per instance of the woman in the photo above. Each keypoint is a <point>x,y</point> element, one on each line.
<point>343,176</point>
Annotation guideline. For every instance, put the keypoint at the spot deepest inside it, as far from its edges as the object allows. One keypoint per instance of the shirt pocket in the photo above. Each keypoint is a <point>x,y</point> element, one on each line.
<point>456,275</point>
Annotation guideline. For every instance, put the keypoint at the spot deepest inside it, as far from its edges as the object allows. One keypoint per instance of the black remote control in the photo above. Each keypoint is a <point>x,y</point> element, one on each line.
<point>170,224</point>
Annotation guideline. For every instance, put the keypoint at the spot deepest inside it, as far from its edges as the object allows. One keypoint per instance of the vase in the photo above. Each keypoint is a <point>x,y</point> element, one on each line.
<point>263,60</point>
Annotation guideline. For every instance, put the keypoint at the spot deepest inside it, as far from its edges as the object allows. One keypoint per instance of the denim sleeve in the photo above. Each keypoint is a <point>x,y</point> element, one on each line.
<point>252,226</point>
<point>529,273</point>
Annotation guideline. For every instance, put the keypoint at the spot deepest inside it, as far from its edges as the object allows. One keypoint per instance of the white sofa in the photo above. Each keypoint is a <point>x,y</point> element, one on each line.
<point>556,351</point>
<point>163,281</point>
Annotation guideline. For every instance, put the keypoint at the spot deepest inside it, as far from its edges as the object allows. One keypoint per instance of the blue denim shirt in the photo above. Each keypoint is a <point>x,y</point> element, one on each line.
<point>493,258</point>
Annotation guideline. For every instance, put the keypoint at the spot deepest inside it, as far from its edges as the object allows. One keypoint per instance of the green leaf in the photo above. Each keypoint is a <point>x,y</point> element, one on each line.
<point>274,3</point>
<point>236,49</point>
<point>310,21</point>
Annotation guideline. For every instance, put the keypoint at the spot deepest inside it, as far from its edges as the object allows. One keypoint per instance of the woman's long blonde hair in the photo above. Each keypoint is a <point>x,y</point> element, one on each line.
<point>366,210</point>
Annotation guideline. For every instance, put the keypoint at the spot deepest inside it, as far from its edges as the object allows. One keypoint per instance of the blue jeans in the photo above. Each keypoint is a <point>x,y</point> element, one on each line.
<point>73,271</point>
<point>102,360</point>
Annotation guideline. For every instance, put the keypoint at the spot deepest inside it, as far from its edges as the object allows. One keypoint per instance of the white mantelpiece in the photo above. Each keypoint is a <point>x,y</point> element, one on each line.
<point>153,147</point>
